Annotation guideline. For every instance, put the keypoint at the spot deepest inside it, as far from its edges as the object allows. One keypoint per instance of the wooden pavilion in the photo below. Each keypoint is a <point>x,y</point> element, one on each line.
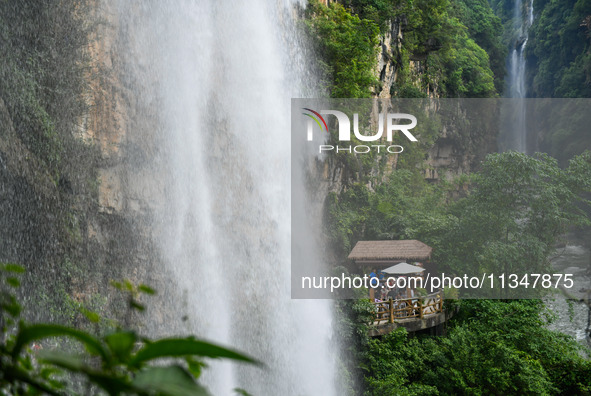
<point>413,313</point>
<point>382,254</point>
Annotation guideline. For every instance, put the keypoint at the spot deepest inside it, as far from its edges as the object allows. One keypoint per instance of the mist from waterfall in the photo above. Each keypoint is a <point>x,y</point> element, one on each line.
<point>219,76</point>
<point>517,140</point>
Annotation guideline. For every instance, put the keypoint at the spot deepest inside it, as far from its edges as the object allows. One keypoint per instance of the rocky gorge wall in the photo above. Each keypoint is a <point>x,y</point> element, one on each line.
<point>458,148</point>
<point>85,221</point>
<point>452,154</point>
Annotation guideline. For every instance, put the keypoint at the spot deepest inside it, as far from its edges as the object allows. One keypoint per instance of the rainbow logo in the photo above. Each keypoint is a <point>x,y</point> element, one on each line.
<point>317,118</point>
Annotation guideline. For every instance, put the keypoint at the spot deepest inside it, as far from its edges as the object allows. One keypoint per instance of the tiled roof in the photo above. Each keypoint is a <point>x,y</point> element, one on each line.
<point>391,250</point>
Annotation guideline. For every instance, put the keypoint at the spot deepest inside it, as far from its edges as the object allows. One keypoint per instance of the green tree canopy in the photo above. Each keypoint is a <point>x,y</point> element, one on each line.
<point>517,208</point>
<point>492,347</point>
<point>347,46</point>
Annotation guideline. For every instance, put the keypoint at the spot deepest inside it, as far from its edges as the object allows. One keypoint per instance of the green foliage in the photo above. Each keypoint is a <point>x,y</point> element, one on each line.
<point>118,363</point>
<point>381,12</point>
<point>133,292</point>
<point>518,207</point>
<point>486,29</point>
<point>467,70</point>
<point>509,220</point>
<point>492,347</point>
<point>404,207</point>
<point>347,46</point>
<point>58,302</point>
<point>454,65</point>
<point>410,91</point>
<point>558,49</point>
<point>559,65</point>
<point>9,281</point>
<point>45,67</point>
<point>450,37</point>
<point>557,52</point>
<point>426,24</point>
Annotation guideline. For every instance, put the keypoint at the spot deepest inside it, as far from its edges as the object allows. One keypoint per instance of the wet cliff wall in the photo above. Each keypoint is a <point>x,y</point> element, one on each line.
<point>69,211</point>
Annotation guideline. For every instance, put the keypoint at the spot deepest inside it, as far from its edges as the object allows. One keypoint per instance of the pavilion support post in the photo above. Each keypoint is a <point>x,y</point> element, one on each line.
<point>391,307</point>
<point>421,308</point>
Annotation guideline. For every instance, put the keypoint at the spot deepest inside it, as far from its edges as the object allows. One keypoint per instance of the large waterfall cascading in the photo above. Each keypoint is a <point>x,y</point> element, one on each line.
<point>219,77</point>
<point>516,76</point>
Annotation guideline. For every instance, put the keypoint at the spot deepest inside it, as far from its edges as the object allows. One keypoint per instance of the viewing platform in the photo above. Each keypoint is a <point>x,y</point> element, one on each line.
<point>400,303</point>
<point>414,314</point>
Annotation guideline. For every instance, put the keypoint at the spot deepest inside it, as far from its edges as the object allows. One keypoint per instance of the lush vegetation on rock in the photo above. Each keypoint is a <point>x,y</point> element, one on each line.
<point>49,174</point>
<point>433,31</point>
<point>486,29</point>
<point>506,217</point>
<point>456,66</point>
<point>559,59</point>
<point>508,220</point>
<point>558,50</point>
<point>514,210</point>
<point>491,347</point>
<point>348,45</point>
<point>43,75</point>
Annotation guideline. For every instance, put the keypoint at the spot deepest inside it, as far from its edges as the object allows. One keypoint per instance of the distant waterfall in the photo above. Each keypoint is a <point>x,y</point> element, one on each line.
<point>218,77</point>
<point>515,135</point>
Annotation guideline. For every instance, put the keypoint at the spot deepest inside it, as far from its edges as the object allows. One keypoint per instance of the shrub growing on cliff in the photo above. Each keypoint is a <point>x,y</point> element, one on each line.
<point>347,49</point>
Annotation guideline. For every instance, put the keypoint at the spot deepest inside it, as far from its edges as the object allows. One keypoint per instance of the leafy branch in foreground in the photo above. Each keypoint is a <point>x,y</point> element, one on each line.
<point>121,362</point>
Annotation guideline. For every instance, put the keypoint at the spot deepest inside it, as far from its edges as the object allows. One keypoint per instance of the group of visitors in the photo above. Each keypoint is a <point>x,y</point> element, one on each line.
<point>386,288</point>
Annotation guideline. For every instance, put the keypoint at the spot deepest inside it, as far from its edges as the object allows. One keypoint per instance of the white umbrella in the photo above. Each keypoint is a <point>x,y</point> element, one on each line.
<point>403,268</point>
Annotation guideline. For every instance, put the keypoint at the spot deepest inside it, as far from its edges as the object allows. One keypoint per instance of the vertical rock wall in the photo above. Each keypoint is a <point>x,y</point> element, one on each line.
<point>90,224</point>
<point>448,156</point>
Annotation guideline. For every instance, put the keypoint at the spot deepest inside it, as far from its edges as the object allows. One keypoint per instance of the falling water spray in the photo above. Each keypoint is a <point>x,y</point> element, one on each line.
<point>219,77</point>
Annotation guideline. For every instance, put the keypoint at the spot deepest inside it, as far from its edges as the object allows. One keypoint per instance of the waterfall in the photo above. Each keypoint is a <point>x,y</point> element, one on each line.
<point>215,79</point>
<point>516,78</point>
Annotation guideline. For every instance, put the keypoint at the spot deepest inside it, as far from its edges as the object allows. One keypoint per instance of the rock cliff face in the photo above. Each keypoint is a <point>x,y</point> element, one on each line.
<point>388,61</point>
<point>89,224</point>
<point>448,157</point>
<point>124,140</point>
<point>459,146</point>
<point>125,131</point>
